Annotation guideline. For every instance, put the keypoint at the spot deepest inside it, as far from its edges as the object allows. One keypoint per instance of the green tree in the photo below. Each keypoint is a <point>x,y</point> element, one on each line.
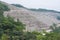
<point>52,36</point>
<point>4,37</point>
<point>4,7</point>
<point>55,28</point>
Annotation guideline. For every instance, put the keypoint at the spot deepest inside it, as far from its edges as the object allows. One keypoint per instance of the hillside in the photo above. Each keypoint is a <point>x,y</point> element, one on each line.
<point>55,13</point>
<point>35,21</point>
<point>38,10</point>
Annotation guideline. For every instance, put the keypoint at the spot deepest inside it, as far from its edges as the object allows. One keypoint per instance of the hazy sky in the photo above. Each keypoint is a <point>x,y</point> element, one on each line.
<point>49,4</point>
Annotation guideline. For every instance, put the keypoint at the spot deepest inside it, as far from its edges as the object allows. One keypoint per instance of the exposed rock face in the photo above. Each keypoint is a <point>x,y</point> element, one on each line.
<point>35,21</point>
<point>32,23</point>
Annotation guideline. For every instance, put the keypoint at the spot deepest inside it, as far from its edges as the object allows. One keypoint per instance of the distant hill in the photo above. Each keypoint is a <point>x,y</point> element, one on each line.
<point>44,10</point>
<point>34,20</point>
<point>38,10</point>
<point>18,5</point>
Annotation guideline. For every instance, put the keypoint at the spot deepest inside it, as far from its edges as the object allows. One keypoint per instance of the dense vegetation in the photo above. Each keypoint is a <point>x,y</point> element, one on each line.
<point>3,7</point>
<point>13,30</point>
<point>58,17</point>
